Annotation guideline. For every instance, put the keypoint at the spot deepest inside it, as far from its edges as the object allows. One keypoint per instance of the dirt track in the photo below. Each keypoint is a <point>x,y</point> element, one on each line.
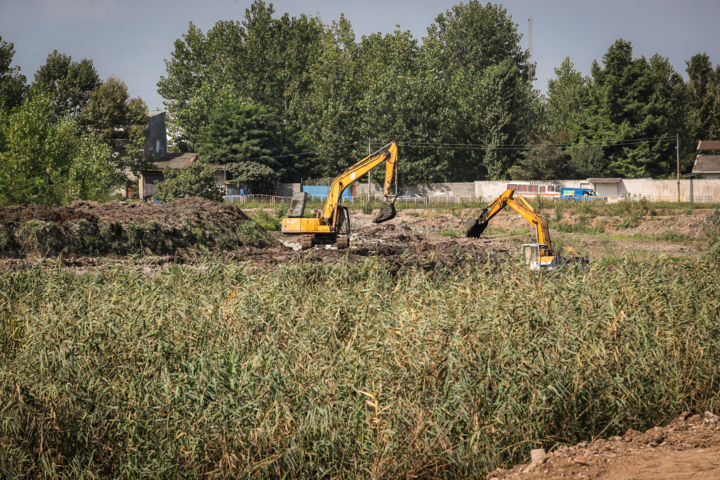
<point>689,447</point>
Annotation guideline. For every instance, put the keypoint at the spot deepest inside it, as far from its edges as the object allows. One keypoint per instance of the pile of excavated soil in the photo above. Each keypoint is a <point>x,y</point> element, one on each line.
<point>689,447</point>
<point>92,229</point>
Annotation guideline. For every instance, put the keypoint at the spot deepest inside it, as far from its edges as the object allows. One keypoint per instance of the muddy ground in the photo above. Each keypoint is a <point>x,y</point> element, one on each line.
<point>689,447</point>
<point>191,230</point>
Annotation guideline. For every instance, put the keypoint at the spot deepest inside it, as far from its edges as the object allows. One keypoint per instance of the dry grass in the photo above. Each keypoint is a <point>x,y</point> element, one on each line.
<point>226,371</point>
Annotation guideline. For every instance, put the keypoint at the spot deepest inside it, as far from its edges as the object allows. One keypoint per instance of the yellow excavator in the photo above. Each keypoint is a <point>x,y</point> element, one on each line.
<point>538,256</point>
<point>331,225</point>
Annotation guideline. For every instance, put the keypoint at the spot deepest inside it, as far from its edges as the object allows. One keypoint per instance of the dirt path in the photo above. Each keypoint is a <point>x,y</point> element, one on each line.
<point>687,448</point>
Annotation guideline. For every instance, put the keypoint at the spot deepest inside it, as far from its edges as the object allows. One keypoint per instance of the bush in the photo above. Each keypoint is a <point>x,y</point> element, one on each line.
<point>195,180</point>
<point>267,221</point>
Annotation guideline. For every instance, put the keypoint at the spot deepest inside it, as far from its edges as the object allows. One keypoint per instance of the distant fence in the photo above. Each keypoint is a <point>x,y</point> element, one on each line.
<point>664,198</point>
<point>465,199</point>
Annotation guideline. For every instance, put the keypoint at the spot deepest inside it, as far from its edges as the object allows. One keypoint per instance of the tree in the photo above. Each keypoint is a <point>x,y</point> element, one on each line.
<point>239,133</point>
<point>542,162</point>
<point>195,180</point>
<point>475,36</point>
<point>504,98</point>
<point>262,60</point>
<point>69,82</point>
<point>258,177</point>
<point>587,162</point>
<point>12,83</point>
<point>47,161</point>
<point>119,122</point>
<point>563,101</point>
<point>631,99</point>
<point>704,98</point>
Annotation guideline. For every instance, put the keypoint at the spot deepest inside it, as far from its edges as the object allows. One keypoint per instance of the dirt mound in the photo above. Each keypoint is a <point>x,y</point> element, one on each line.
<point>91,228</point>
<point>689,446</point>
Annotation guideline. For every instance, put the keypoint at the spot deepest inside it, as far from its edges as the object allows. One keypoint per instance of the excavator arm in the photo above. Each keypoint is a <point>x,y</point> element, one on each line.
<point>354,173</point>
<point>517,202</point>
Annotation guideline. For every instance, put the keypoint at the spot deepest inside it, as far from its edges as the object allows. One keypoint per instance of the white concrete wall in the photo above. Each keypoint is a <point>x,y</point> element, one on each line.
<point>606,189</point>
<point>692,190</point>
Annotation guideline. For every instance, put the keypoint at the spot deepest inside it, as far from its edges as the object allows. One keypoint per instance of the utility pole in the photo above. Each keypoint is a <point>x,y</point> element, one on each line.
<point>530,76</point>
<point>369,173</point>
<point>677,148</point>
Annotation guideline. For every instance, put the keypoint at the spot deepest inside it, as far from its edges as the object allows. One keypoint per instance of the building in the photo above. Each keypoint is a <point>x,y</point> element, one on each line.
<point>605,187</point>
<point>156,134</point>
<point>707,165</point>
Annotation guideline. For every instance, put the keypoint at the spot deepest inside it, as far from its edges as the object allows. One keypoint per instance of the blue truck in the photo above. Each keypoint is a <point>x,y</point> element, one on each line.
<point>579,195</point>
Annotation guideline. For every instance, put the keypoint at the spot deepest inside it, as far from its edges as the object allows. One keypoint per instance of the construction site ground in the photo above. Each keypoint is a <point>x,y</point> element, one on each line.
<point>689,447</point>
<point>432,238</point>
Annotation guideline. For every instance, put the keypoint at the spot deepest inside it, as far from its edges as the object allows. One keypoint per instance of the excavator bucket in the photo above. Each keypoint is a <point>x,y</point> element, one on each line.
<point>475,227</point>
<point>387,212</point>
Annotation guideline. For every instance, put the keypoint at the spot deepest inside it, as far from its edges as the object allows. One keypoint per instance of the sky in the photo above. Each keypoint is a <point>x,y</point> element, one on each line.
<point>132,38</point>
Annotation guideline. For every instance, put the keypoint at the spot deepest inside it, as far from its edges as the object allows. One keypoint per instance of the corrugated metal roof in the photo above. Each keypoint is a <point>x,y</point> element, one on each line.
<point>709,145</point>
<point>176,161</point>
<point>707,164</point>
<point>604,180</point>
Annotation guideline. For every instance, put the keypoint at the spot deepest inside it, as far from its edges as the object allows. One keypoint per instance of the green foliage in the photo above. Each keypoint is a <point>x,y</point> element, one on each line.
<point>267,221</point>
<point>263,60</point>
<point>704,100</point>
<point>254,144</point>
<point>194,180</point>
<point>184,364</point>
<point>46,161</point>
<point>12,83</point>
<point>563,101</point>
<point>542,162</point>
<point>118,121</point>
<point>466,83</point>
<point>70,83</point>
<point>631,98</point>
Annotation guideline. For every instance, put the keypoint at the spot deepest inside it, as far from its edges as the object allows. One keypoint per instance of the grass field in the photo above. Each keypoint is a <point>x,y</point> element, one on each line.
<point>339,371</point>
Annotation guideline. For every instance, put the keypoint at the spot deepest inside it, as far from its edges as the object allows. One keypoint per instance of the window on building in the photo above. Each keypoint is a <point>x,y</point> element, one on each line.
<point>542,189</point>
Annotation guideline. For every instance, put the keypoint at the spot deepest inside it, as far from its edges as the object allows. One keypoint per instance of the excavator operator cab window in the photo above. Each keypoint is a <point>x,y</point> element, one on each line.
<point>531,253</point>
<point>297,205</point>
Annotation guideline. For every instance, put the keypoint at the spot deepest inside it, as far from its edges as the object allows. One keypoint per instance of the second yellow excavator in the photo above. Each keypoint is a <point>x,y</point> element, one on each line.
<point>538,256</point>
<point>331,225</point>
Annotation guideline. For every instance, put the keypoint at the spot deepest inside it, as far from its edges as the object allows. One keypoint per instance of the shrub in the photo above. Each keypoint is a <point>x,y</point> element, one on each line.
<point>195,180</point>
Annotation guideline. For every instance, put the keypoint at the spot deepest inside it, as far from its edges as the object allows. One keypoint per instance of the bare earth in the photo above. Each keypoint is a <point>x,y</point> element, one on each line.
<point>687,448</point>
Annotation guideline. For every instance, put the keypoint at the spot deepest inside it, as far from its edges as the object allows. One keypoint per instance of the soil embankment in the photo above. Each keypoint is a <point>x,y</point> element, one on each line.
<point>689,447</point>
<point>121,228</point>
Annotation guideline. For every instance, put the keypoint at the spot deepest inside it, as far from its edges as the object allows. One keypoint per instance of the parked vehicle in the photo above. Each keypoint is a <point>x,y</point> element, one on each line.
<point>579,195</point>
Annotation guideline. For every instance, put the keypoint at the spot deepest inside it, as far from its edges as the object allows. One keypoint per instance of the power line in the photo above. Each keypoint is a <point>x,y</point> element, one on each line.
<point>480,146</point>
<point>316,152</point>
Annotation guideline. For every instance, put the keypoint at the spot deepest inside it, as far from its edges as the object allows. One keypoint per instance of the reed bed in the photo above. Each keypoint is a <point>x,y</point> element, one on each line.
<point>228,371</point>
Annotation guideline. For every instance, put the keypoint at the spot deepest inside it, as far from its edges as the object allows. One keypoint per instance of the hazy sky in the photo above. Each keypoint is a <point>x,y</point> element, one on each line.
<point>131,38</point>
